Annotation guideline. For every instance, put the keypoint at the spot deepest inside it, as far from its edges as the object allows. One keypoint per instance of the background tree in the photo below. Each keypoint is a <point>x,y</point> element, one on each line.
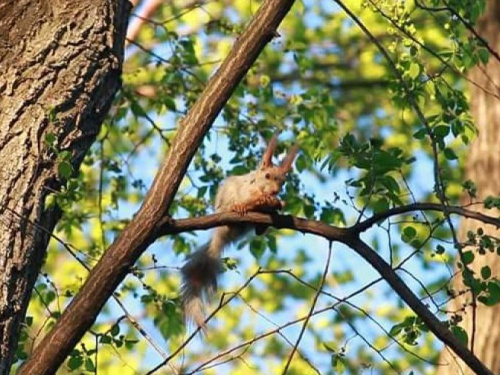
<point>374,94</point>
<point>59,70</point>
<point>483,168</point>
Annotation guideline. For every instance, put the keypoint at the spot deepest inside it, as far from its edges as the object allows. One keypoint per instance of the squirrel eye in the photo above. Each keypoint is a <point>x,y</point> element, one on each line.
<point>267,176</point>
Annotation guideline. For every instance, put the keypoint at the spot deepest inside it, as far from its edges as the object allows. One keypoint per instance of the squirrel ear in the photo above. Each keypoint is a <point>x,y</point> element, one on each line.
<point>287,162</point>
<point>268,154</point>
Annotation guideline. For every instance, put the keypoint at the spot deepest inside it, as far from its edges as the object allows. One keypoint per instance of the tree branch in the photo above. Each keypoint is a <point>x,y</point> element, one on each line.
<point>368,223</point>
<point>169,226</point>
<point>432,322</point>
<point>349,237</point>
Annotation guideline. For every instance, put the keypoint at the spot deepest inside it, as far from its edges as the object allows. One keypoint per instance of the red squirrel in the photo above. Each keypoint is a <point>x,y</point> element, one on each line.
<point>254,191</point>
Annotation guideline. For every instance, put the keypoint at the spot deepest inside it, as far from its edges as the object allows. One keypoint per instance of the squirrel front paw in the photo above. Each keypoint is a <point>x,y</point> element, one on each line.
<point>240,209</point>
<point>263,203</point>
<point>270,201</point>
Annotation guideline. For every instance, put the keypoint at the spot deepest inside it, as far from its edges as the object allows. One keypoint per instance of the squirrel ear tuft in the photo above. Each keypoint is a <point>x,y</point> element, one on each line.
<point>287,162</point>
<point>268,154</point>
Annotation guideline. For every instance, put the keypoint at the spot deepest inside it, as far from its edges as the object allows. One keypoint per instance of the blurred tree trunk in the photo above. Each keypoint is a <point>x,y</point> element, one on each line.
<point>60,65</point>
<point>483,167</point>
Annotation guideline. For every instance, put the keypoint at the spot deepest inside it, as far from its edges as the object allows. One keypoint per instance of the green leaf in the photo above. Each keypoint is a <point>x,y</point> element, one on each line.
<point>484,55</point>
<point>460,334</point>
<point>329,348</point>
<point>49,139</point>
<point>21,355</point>
<point>50,296</point>
<point>390,184</point>
<point>331,215</point>
<point>239,170</point>
<point>130,343</point>
<point>396,329</point>
<point>409,232</point>
<point>50,201</point>
<point>450,154</point>
<point>75,362</point>
<point>137,110</point>
<point>338,363</point>
<point>64,155</point>
<point>441,131</point>
<point>301,163</point>
<point>309,210</point>
<point>201,191</point>
<point>271,243</point>
<point>257,247</point>
<point>468,257</point>
<point>420,134</point>
<point>169,103</point>
<point>494,290</point>
<point>230,263</point>
<point>385,161</point>
<point>115,330</point>
<point>64,170</point>
<point>486,272</point>
<point>381,205</point>
<point>493,296</point>
<point>414,70</point>
<point>118,342</point>
<point>105,339</point>
<point>89,365</point>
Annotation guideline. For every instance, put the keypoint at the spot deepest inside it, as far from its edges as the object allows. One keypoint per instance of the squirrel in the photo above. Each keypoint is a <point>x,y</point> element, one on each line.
<point>254,191</point>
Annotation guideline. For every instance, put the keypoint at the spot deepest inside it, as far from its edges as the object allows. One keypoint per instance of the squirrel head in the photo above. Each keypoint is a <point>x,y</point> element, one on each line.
<point>270,178</point>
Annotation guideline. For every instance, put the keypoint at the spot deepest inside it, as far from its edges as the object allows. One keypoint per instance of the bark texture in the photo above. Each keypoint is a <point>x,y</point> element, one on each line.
<point>60,64</point>
<point>483,167</point>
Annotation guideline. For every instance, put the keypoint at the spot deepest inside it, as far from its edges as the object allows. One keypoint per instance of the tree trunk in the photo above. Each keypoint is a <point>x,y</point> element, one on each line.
<point>483,167</point>
<point>60,65</point>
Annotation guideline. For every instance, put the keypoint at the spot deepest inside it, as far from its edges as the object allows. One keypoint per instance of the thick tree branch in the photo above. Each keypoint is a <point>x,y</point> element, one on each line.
<point>136,237</point>
<point>368,223</point>
<point>349,237</point>
<point>403,291</point>
<point>169,226</point>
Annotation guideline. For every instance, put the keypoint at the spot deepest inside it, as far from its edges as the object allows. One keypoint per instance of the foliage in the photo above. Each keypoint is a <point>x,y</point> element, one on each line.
<point>364,150</point>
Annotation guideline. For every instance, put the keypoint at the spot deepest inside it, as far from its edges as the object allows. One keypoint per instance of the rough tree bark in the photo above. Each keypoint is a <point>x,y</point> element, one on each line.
<point>60,65</point>
<point>483,167</point>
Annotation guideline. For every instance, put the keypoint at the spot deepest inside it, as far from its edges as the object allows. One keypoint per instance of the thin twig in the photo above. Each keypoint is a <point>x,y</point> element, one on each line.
<point>311,310</point>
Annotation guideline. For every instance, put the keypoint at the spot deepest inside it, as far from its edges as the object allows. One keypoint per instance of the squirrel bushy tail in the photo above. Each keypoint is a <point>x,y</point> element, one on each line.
<point>199,274</point>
